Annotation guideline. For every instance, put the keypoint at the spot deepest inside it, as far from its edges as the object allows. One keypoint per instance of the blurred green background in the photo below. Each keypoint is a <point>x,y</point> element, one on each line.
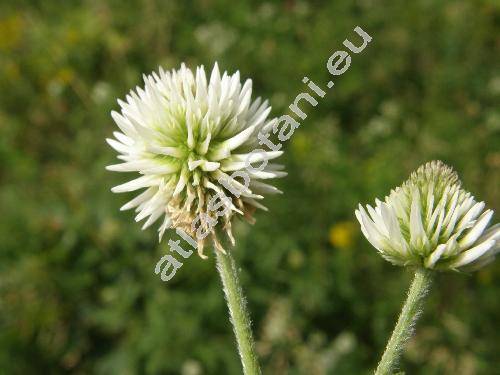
<point>77,290</point>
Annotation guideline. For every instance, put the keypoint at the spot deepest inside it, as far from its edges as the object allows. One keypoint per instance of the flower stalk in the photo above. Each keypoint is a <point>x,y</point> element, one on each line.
<point>404,328</point>
<point>238,312</point>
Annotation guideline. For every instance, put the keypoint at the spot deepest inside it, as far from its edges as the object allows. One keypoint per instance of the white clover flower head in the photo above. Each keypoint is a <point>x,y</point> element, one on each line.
<point>431,222</point>
<point>182,133</point>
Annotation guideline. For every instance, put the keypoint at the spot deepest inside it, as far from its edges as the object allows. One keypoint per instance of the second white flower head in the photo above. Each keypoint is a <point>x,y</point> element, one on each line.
<point>431,221</point>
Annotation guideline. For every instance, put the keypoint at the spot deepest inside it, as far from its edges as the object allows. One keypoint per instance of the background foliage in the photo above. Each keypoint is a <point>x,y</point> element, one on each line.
<point>77,289</point>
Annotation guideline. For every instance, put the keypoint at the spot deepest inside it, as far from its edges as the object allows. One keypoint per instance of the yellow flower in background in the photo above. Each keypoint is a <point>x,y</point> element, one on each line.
<point>342,234</point>
<point>65,75</point>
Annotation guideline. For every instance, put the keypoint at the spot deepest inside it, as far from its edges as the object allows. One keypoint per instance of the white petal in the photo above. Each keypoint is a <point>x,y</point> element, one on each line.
<point>152,206</point>
<point>180,184</point>
<point>254,203</point>
<point>392,224</point>
<point>476,231</point>
<point>169,151</point>
<point>263,175</point>
<point>164,226</point>
<point>123,138</point>
<point>215,76</point>
<point>131,166</point>
<point>373,235</point>
<point>471,255</point>
<point>377,219</point>
<point>471,215</point>
<point>163,168</point>
<point>239,139</point>
<point>203,147</point>
<point>230,166</point>
<point>193,164</point>
<point>124,125</point>
<point>439,225</point>
<point>492,233</point>
<point>209,166</point>
<point>120,147</point>
<point>258,120</point>
<point>153,217</point>
<point>257,156</point>
<point>138,183</point>
<point>144,196</point>
<point>435,256</point>
<point>264,188</point>
<point>359,217</point>
<point>417,233</point>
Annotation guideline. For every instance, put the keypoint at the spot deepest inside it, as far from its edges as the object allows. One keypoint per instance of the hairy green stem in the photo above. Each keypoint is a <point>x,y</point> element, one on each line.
<point>406,322</point>
<point>238,313</point>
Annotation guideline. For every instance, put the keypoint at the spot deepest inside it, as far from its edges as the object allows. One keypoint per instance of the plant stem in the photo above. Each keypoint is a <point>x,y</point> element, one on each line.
<point>406,322</point>
<point>239,316</point>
